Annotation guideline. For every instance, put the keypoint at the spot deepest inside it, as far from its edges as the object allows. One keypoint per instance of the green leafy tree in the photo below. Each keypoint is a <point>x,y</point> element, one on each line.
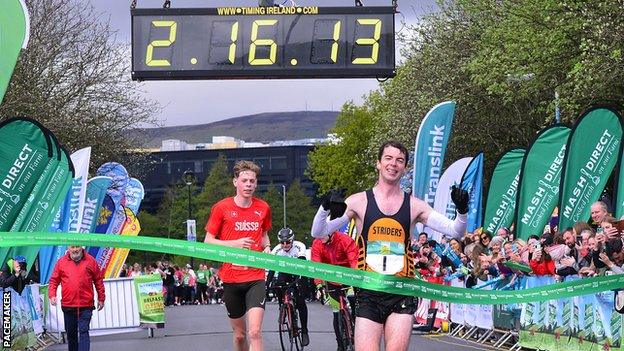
<point>217,186</point>
<point>346,162</point>
<point>151,225</point>
<point>74,78</point>
<point>273,197</point>
<point>571,47</point>
<point>299,212</point>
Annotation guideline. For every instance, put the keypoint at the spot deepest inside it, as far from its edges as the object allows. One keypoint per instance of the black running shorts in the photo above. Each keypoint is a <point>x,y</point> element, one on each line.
<point>240,297</point>
<point>378,306</point>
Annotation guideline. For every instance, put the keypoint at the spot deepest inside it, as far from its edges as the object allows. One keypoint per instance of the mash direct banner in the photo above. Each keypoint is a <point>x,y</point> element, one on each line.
<point>472,181</point>
<point>14,34</point>
<point>500,206</point>
<point>150,300</point>
<point>538,190</point>
<point>44,201</point>
<point>619,195</point>
<point>593,150</point>
<point>443,204</point>
<point>25,150</point>
<point>429,149</point>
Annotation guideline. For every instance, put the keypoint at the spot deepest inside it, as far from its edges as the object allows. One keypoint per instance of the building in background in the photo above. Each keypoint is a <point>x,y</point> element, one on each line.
<point>281,165</point>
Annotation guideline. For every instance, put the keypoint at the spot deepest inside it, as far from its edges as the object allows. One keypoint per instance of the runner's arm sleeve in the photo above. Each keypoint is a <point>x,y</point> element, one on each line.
<point>455,228</point>
<point>321,227</point>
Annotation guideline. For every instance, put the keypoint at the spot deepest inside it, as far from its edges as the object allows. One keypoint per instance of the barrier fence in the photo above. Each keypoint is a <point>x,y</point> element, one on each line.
<point>32,315</point>
<point>587,322</point>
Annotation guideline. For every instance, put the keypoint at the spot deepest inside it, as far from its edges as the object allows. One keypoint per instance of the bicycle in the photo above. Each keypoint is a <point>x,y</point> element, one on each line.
<point>346,324</point>
<point>288,319</point>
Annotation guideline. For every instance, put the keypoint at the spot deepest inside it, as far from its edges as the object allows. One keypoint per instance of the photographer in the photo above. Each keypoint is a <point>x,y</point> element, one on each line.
<point>608,226</point>
<point>613,257</point>
<point>541,263</point>
<point>15,275</point>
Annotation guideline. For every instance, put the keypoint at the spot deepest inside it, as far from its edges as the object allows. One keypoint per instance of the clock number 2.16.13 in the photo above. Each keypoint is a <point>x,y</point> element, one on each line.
<point>360,43</point>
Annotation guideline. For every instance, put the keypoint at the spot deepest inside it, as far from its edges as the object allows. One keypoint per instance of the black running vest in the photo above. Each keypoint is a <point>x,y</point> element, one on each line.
<point>384,243</point>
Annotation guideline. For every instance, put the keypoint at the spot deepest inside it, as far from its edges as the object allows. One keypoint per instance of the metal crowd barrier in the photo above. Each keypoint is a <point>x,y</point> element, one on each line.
<point>492,325</point>
<point>119,315</point>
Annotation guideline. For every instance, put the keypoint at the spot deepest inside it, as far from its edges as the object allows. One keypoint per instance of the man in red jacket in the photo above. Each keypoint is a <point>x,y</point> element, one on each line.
<point>77,272</point>
<point>337,249</point>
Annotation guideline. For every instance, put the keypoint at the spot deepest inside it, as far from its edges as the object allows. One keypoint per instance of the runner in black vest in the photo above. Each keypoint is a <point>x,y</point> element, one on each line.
<point>384,217</point>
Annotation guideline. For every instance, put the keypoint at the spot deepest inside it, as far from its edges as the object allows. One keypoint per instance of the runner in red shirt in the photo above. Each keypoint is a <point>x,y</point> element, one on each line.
<point>242,221</point>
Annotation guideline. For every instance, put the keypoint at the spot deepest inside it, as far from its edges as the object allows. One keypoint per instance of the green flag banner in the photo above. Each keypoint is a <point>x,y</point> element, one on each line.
<point>14,32</point>
<point>362,279</point>
<point>593,149</point>
<point>538,190</point>
<point>44,200</point>
<point>501,201</point>
<point>619,195</point>
<point>150,300</point>
<point>25,151</point>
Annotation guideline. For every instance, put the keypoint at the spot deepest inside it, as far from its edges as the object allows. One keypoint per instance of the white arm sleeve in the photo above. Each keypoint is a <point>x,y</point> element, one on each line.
<point>322,227</point>
<point>455,228</point>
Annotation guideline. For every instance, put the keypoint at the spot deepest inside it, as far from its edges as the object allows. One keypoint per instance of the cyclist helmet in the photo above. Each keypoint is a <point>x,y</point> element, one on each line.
<point>285,234</point>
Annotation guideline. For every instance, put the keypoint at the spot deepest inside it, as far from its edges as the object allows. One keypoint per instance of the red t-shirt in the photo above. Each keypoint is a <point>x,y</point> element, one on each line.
<point>228,221</point>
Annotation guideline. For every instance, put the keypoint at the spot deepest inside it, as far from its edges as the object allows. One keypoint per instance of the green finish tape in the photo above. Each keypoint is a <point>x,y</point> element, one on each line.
<point>367,280</point>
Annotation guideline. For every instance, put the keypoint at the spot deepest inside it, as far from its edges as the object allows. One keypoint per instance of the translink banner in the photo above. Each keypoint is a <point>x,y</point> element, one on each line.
<point>538,190</point>
<point>362,279</point>
<point>429,149</point>
<point>592,154</point>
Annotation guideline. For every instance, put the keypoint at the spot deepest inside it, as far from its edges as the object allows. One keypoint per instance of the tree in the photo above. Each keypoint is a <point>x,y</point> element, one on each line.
<point>299,212</point>
<point>348,162</point>
<point>151,225</point>
<point>273,197</point>
<point>217,186</point>
<point>74,78</point>
<point>571,47</point>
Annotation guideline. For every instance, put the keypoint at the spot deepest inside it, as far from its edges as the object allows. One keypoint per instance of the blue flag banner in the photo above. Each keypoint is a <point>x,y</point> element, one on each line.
<point>472,181</point>
<point>431,140</point>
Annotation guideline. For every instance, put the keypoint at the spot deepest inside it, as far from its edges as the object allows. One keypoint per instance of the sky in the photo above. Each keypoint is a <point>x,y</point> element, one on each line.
<point>197,102</point>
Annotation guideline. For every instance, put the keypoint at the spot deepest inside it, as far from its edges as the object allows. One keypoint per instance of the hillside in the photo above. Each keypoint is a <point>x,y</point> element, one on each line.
<point>261,127</point>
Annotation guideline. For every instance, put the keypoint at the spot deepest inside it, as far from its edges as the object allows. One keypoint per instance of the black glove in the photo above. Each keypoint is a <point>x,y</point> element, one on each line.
<point>460,199</point>
<point>327,200</point>
<point>332,196</point>
<point>336,205</point>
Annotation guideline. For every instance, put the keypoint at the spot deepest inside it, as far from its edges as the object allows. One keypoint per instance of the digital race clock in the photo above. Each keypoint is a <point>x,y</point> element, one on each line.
<point>263,42</point>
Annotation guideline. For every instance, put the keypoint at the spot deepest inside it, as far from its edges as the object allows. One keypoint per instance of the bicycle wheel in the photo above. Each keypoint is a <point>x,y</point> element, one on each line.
<point>284,328</point>
<point>296,330</point>
<point>346,327</point>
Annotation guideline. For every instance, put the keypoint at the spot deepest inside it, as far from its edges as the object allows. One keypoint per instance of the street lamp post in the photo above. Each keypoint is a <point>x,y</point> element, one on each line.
<point>189,179</point>
<point>284,201</point>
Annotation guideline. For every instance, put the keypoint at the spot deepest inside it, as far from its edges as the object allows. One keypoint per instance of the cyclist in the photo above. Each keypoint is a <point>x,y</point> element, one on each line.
<point>289,247</point>
<point>341,250</point>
